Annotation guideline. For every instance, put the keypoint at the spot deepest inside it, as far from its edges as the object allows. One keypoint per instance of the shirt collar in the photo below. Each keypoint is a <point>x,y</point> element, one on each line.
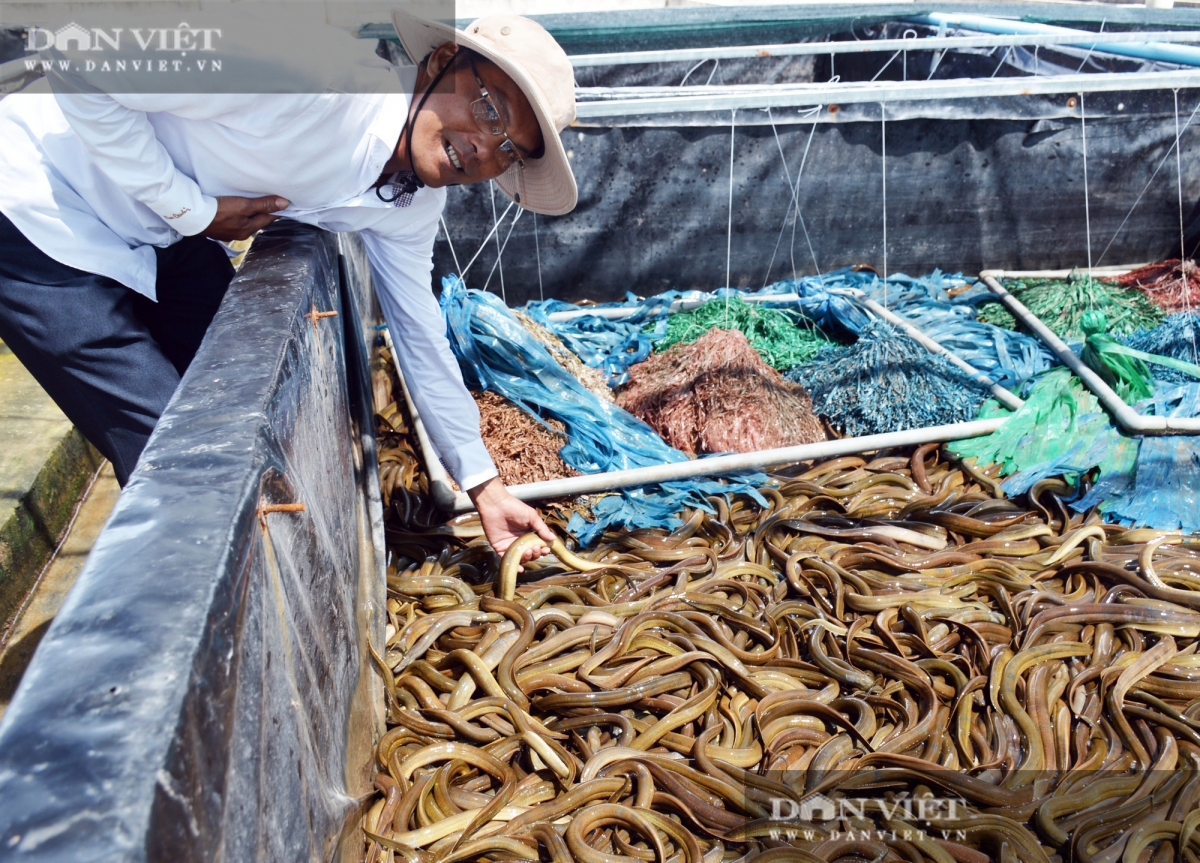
<point>393,111</point>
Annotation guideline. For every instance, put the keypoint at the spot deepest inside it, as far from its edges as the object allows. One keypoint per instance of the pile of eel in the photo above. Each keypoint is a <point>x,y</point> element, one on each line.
<point>891,661</point>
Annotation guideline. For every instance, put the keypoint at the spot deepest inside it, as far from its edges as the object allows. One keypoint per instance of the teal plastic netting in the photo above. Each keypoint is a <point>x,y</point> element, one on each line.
<point>887,382</point>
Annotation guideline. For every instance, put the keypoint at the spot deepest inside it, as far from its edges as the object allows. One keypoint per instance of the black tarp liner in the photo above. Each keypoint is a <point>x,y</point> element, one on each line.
<point>203,693</point>
<point>970,184</point>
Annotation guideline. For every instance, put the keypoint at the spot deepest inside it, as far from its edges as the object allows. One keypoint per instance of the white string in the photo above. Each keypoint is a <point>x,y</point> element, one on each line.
<point>450,242</point>
<point>1000,65</point>
<point>883,159</point>
<point>1187,294</point>
<point>1085,57</point>
<point>934,62</point>
<point>693,69</point>
<point>1091,48</point>
<point>716,66</point>
<point>795,202</point>
<point>889,62</point>
<point>1087,213</point>
<point>500,254</point>
<point>729,229</point>
<point>495,227</point>
<point>1146,188</point>
<point>788,213</point>
<point>492,189</point>
<point>799,214</point>
<point>538,251</point>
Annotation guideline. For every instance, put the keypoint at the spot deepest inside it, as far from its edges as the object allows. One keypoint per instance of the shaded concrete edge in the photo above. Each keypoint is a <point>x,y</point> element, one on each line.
<point>31,534</point>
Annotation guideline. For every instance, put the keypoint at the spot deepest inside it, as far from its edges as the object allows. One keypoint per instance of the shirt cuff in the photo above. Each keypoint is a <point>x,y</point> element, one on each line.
<point>184,207</point>
<point>474,466</point>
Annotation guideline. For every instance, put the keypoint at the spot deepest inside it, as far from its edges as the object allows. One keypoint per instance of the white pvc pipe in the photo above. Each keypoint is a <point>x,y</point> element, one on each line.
<point>1129,419</point>
<point>443,492</point>
<point>457,502</point>
<point>718,465</point>
<point>608,102</point>
<point>1154,51</point>
<point>1098,272</point>
<point>451,501</point>
<point>931,43</point>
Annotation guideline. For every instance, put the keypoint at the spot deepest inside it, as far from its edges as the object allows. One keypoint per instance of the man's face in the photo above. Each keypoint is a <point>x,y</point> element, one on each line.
<point>449,147</point>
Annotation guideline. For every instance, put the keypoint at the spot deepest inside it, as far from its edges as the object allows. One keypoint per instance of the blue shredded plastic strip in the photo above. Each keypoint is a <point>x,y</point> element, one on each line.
<point>1006,357</point>
<point>1162,489</point>
<point>495,352</point>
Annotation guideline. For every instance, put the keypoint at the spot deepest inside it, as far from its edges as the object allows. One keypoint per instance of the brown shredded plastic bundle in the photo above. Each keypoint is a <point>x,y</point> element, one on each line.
<point>717,395</point>
<point>1170,286</point>
<point>592,379</point>
<point>522,448</point>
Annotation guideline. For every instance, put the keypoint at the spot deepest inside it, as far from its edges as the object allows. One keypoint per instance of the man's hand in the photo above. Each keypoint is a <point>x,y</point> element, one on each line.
<point>242,218</point>
<point>505,518</point>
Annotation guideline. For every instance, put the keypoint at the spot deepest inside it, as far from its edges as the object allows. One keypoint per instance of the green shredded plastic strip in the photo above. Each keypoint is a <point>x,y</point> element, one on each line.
<point>997,315</point>
<point>1061,430</point>
<point>1126,374</point>
<point>1124,368</point>
<point>782,339</point>
<point>1043,430</point>
<point>1062,303</point>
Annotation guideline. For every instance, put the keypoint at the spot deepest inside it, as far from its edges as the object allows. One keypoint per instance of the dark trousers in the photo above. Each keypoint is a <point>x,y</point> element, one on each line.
<point>109,357</point>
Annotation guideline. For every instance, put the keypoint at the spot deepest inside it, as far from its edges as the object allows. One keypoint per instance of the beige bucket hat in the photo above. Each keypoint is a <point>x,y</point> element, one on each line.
<point>538,65</point>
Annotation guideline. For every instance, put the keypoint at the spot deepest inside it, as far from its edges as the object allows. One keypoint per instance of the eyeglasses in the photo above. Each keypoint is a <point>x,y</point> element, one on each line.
<point>487,119</point>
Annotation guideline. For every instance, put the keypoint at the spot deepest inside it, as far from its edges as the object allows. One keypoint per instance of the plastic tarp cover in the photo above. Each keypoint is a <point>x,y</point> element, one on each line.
<point>205,692</point>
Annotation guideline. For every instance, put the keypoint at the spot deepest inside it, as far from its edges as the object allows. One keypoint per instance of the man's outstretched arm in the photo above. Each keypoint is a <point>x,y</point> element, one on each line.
<point>402,268</point>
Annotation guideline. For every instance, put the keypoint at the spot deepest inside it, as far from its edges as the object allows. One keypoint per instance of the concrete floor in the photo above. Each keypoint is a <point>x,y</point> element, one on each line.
<point>55,581</point>
<point>45,464</point>
<point>55,495</point>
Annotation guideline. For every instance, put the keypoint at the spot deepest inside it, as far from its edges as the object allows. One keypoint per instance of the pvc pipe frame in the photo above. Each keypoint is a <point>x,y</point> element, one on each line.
<point>625,101</point>
<point>1129,419</point>
<point>866,46</point>
<point>456,502</point>
<point>448,500</point>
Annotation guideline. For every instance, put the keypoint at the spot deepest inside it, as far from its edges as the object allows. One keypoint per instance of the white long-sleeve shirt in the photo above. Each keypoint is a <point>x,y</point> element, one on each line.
<point>95,181</point>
